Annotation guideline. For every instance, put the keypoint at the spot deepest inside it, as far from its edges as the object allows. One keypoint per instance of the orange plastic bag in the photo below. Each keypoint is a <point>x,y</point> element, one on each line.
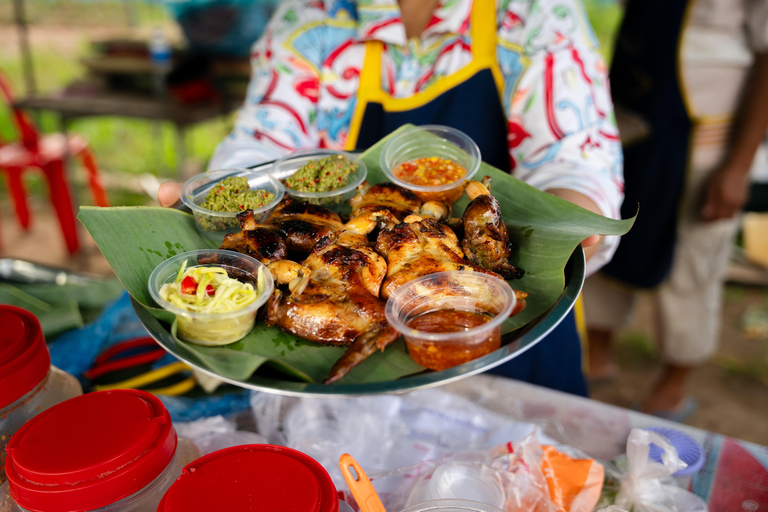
<point>574,484</point>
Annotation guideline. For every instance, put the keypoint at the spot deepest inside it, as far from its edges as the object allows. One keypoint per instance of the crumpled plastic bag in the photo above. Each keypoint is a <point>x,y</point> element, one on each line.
<point>643,486</point>
<point>520,476</point>
<point>382,432</point>
<point>216,433</point>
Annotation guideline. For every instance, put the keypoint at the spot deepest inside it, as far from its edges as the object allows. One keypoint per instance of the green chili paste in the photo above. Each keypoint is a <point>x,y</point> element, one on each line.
<point>233,194</point>
<point>323,175</point>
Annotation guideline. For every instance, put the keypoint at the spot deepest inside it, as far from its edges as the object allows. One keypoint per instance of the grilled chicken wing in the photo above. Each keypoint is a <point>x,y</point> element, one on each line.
<point>337,303</point>
<point>486,240</point>
<point>418,247</point>
<point>302,225</point>
<point>399,201</point>
<point>262,242</point>
<point>292,226</point>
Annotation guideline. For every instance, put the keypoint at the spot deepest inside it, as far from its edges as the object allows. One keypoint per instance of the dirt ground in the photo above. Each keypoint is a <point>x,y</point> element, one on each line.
<point>732,390</point>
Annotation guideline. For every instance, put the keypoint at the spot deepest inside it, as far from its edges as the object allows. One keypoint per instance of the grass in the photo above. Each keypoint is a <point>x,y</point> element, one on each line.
<point>132,146</point>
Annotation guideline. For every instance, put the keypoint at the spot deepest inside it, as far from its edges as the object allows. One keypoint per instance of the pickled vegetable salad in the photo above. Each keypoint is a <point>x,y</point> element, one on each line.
<point>211,290</point>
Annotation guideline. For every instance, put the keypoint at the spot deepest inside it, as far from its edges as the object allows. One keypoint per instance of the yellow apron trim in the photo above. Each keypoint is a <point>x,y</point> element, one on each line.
<point>483,56</point>
<point>688,104</point>
<point>581,330</point>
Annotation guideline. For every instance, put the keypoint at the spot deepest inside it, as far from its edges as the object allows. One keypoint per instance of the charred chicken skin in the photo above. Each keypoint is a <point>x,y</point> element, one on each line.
<point>293,227</point>
<point>400,201</point>
<point>334,300</point>
<point>486,239</point>
<point>417,247</point>
<point>302,225</point>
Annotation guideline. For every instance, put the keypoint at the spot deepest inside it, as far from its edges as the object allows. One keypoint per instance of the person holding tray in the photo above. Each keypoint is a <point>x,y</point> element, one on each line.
<point>523,79</point>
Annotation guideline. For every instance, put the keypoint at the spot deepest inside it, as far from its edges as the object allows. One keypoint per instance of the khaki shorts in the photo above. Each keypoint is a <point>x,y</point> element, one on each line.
<point>688,304</point>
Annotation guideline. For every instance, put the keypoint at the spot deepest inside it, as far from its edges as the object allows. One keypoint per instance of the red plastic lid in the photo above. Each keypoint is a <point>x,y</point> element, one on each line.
<point>24,357</point>
<point>254,478</point>
<point>90,451</point>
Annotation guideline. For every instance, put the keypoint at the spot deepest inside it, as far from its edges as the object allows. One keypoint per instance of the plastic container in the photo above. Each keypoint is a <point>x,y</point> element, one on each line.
<point>28,383</point>
<point>687,448</point>
<point>213,329</point>
<point>216,225</point>
<point>335,200</point>
<point>113,451</point>
<point>254,477</point>
<point>431,141</point>
<point>452,506</point>
<point>463,291</point>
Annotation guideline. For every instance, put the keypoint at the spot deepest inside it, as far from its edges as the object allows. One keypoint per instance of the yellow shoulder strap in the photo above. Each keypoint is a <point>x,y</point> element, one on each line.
<point>483,33</point>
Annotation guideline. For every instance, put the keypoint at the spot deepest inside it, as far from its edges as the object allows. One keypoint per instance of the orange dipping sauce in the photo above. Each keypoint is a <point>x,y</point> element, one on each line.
<point>439,355</point>
<point>430,172</point>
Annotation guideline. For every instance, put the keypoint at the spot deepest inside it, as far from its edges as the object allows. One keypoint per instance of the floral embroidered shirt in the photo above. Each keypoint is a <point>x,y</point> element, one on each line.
<point>561,130</point>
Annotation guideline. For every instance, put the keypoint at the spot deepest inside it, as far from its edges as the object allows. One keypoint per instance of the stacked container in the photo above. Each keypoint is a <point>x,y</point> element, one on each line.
<point>255,477</point>
<point>113,451</point>
<point>28,383</point>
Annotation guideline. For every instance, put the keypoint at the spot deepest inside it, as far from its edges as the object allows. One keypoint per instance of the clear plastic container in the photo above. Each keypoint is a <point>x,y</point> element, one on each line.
<point>431,141</point>
<point>335,200</point>
<point>213,328</point>
<point>28,383</point>
<point>462,481</point>
<point>452,506</point>
<point>216,225</point>
<point>449,298</point>
<point>109,451</point>
<point>276,477</point>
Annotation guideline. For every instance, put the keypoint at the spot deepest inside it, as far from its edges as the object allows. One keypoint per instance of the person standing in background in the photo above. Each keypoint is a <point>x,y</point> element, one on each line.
<point>523,78</point>
<point>696,73</point>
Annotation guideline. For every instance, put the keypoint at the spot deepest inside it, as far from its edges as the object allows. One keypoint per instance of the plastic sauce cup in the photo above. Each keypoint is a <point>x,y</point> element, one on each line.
<point>254,477</point>
<point>113,451</point>
<point>28,383</point>
<point>335,200</point>
<point>472,292</point>
<point>431,141</point>
<point>216,225</point>
<point>212,329</point>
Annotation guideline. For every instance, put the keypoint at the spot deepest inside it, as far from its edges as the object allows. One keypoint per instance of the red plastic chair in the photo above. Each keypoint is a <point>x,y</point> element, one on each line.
<point>47,153</point>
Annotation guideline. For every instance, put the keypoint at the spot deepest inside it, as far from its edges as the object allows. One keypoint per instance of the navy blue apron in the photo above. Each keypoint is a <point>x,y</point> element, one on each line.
<point>644,80</point>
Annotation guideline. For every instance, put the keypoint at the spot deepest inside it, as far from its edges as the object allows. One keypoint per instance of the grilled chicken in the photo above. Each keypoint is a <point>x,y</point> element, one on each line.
<point>417,247</point>
<point>486,240</point>
<point>399,201</point>
<point>334,300</point>
<point>262,242</point>
<point>302,225</point>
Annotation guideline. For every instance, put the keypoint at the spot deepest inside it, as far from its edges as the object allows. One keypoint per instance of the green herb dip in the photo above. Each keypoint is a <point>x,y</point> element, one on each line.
<point>323,175</point>
<point>233,194</point>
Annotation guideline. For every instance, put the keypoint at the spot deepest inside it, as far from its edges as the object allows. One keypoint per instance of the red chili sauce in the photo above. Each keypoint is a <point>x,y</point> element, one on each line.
<point>439,355</point>
<point>430,171</point>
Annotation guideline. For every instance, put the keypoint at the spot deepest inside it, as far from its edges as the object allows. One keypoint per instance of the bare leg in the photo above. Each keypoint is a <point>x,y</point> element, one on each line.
<point>668,393</point>
<point>601,363</point>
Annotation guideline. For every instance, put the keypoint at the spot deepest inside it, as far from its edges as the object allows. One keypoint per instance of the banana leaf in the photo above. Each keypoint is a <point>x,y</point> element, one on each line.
<point>544,229</point>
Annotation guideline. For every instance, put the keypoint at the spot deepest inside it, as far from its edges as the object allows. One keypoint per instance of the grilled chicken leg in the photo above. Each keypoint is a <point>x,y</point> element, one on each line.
<point>486,240</point>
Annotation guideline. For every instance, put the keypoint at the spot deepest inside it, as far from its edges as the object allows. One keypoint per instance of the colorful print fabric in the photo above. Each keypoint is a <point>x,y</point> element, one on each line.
<point>561,130</point>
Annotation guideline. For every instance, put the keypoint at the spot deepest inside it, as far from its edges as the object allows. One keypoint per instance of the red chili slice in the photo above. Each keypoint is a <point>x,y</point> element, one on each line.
<point>188,285</point>
<point>210,290</point>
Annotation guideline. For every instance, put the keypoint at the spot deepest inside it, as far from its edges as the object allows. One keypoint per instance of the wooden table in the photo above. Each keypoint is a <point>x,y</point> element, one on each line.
<point>70,106</point>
